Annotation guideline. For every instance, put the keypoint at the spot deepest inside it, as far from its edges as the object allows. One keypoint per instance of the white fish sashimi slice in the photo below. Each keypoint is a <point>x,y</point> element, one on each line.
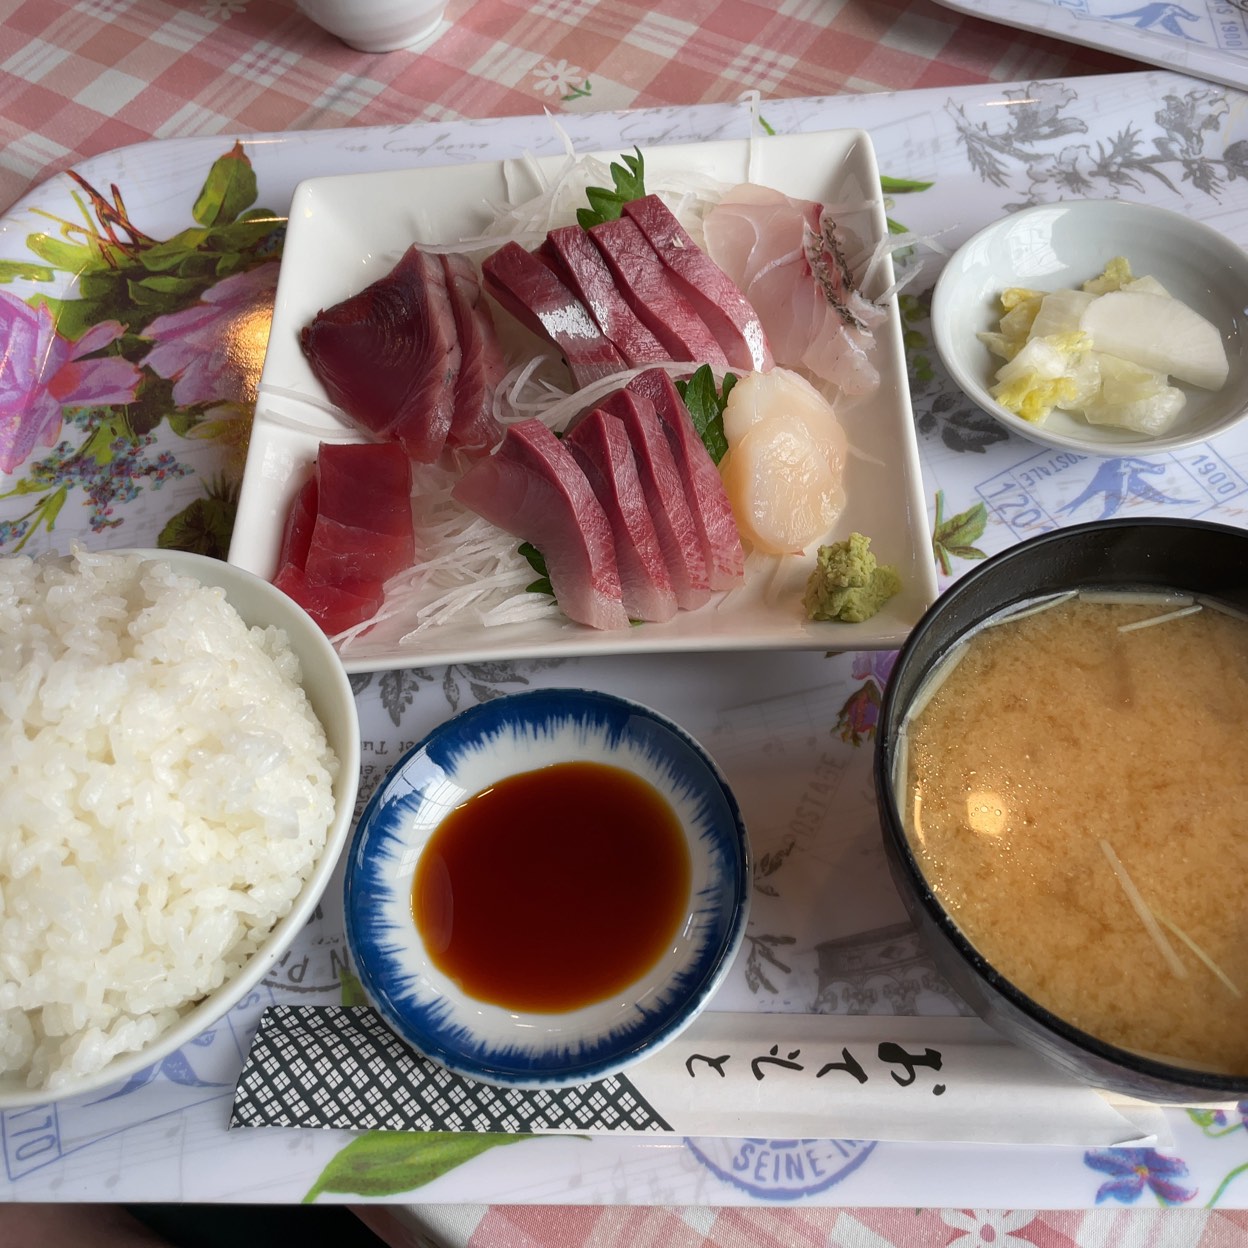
<point>803,327</point>
<point>842,352</point>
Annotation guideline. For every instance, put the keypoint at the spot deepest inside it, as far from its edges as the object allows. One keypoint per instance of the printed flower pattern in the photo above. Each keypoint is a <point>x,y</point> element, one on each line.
<point>1132,1171</point>
<point>988,1226</point>
<point>42,373</point>
<point>557,77</point>
<point>204,349</point>
<point>134,341</point>
<point>856,722</point>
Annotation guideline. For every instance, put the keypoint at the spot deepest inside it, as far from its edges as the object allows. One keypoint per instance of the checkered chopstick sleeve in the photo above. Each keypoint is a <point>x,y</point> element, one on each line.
<point>341,1067</point>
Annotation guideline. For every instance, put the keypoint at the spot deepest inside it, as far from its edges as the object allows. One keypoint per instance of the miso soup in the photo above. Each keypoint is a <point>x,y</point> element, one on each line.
<point>1075,789</point>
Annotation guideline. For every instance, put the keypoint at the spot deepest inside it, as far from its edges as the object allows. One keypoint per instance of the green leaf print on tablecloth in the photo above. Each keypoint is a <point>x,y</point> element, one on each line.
<point>148,335</point>
<point>954,538</point>
<point>385,1163</point>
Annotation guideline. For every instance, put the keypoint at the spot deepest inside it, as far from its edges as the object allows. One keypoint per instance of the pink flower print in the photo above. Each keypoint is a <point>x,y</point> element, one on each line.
<point>876,664</point>
<point>42,373</point>
<point>212,352</point>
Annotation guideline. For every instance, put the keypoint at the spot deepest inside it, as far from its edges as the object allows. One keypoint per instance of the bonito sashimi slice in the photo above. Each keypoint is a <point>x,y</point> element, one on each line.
<point>789,258</point>
<point>599,444</point>
<point>533,488</point>
<point>474,430</point>
<point>389,355</point>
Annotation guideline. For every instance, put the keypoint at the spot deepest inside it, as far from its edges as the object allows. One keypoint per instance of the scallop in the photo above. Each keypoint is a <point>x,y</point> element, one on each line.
<point>784,467</point>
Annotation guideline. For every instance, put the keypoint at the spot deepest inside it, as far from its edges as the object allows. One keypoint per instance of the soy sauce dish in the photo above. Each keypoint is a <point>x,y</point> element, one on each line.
<point>547,888</point>
<point>1060,780</point>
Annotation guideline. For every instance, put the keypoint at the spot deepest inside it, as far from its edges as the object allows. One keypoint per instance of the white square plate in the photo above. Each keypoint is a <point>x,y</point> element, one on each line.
<point>346,232</point>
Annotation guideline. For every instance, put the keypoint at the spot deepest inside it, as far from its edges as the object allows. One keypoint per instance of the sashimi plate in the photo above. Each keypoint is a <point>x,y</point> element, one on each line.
<point>345,232</point>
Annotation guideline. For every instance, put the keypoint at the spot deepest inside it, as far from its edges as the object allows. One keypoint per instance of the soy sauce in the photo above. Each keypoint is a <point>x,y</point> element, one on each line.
<point>555,888</point>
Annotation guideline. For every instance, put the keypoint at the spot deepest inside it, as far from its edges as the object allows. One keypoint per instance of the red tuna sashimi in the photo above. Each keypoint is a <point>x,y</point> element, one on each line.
<point>363,523</point>
<point>712,293</point>
<point>367,485</point>
<point>571,254</point>
<point>297,531</point>
<point>474,429</point>
<point>527,288</point>
<point>788,257</point>
<point>708,500</point>
<point>389,355</point>
<point>665,496</point>
<point>348,531</point>
<point>648,287</point>
<point>334,607</point>
<point>533,488</point>
<point>601,447</point>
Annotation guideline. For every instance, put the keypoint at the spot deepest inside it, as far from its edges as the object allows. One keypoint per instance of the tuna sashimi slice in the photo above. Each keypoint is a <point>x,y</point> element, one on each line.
<point>601,447</point>
<point>341,552</point>
<point>674,524</point>
<point>367,485</point>
<point>389,355</point>
<point>571,254</point>
<point>712,293</point>
<point>297,531</point>
<point>533,488</point>
<point>363,523</point>
<point>474,429</point>
<point>527,288</point>
<point>334,607</point>
<point>704,489</point>
<point>651,292</point>
<point>348,531</point>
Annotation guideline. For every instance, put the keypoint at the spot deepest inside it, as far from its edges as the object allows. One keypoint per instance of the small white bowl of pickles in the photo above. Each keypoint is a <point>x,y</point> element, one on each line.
<point>1100,326</point>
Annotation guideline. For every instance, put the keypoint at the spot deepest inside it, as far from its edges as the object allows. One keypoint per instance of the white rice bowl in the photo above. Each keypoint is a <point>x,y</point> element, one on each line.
<point>177,779</point>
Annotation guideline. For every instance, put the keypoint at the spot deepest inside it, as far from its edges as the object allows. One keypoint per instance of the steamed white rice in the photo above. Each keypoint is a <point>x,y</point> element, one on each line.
<point>165,791</point>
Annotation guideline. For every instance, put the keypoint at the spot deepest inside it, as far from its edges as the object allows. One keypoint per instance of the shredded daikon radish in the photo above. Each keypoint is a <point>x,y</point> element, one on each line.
<point>753,98</point>
<point>1176,930</point>
<point>1159,619</point>
<point>1140,907</point>
<point>891,245</point>
<point>520,609</point>
<point>318,402</point>
<point>512,397</point>
<point>321,432</point>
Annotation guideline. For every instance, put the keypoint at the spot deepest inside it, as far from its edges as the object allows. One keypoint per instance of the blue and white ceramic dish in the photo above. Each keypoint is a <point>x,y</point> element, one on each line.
<point>466,755</point>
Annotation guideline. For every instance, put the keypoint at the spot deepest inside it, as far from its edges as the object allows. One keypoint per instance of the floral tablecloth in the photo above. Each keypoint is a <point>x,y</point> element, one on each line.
<point>81,77</point>
<point>131,428</point>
